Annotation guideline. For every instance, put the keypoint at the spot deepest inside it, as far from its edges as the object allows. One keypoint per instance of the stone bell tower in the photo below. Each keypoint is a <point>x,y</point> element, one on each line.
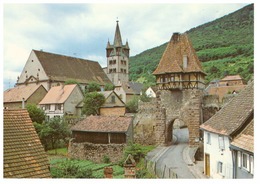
<point>117,59</point>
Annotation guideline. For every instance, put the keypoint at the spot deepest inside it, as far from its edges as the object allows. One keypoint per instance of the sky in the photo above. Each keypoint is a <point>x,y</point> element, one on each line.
<point>83,30</point>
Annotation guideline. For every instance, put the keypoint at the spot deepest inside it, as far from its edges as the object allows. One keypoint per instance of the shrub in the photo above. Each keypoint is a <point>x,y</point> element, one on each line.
<point>106,159</point>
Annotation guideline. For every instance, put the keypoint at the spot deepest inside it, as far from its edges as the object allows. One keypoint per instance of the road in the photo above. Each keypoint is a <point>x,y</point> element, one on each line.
<point>171,164</point>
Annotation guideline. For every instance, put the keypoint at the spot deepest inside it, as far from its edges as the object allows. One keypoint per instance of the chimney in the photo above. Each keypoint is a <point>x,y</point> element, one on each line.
<point>185,61</point>
<point>23,103</point>
<point>176,37</point>
<point>108,172</point>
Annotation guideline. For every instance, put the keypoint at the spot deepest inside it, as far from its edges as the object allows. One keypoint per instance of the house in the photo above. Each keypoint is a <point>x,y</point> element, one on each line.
<point>51,69</point>
<point>128,90</point>
<point>99,137</point>
<point>62,100</point>
<point>223,128</point>
<point>151,92</point>
<point>24,155</point>
<point>113,105</point>
<point>242,147</point>
<point>103,130</point>
<point>230,84</point>
<point>19,96</point>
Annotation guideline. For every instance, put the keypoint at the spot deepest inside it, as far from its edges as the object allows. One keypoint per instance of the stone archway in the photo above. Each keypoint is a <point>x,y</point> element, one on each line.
<point>177,132</point>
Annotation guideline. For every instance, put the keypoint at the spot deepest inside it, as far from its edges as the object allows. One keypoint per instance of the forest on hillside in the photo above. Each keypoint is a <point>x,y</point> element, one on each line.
<point>225,46</point>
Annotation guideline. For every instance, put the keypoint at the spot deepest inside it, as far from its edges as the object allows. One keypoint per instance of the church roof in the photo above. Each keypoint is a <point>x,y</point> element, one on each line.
<point>233,115</point>
<point>24,156</point>
<point>62,68</point>
<point>172,58</point>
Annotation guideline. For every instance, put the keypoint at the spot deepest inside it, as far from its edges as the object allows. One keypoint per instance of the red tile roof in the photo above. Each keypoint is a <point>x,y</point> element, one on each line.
<point>233,115</point>
<point>16,94</point>
<point>245,140</point>
<point>24,156</point>
<point>58,94</point>
<point>231,77</point>
<point>103,124</point>
<point>172,58</point>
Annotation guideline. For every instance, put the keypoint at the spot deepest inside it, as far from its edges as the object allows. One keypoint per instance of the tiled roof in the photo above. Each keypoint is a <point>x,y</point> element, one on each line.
<point>17,93</point>
<point>131,87</point>
<point>245,140</point>
<point>172,58</point>
<point>231,77</point>
<point>232,116</point>
<point>103,124</point>
<point>24,156</point>
<point>58,94</point>
<point>62,68</point>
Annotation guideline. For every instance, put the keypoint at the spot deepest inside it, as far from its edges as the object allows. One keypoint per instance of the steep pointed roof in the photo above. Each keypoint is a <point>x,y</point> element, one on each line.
<point>172,58</point>
<point>117,38</point>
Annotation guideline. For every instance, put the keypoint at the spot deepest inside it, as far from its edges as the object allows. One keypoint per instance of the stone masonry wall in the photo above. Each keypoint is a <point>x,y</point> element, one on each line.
<point>95,152</point>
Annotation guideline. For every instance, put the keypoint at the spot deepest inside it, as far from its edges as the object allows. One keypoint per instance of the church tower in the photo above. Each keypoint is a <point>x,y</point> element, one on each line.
<point>117,59</point>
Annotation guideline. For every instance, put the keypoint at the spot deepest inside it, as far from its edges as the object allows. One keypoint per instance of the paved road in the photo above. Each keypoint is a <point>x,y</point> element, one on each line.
<point>172,160</point>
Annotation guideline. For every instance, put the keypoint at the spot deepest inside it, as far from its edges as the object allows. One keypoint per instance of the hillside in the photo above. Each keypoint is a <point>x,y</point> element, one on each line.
<point>224,46</point>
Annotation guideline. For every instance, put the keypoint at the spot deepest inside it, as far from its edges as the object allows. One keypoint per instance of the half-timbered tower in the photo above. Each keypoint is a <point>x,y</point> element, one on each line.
<point>117,59</point>
<point>179,67</point>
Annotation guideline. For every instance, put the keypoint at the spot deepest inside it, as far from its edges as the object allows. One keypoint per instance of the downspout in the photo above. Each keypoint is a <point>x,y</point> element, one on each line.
<point>234,158</point>
<point>23,106</point>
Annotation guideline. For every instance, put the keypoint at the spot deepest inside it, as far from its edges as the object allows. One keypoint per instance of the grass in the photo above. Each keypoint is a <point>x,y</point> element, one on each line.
<point>58,151</point>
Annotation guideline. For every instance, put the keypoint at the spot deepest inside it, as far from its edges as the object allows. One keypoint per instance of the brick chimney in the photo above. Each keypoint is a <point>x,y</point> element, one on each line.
<point>175,37</point>
<point>108,172</point>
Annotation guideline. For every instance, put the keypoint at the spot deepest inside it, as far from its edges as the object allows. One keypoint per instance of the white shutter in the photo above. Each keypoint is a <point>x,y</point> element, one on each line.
<point>252,164</point>
<point>238,159</point>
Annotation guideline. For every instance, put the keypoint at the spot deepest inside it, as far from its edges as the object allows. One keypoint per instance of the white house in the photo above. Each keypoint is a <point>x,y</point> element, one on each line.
<point>62,100</point>
<point>221,129</point>
<point>151,92</point>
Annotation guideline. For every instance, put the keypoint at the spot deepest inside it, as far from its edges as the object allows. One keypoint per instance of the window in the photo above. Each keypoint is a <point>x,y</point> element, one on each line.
<point>58,107</point>
<point>47,107</point>
<point>245,161</point>
<point>221,142</point>
<point>208,138</point>
<point>251,164</point>
<point>220,167</point>
<point>113,99</point>
<point>238,159</point>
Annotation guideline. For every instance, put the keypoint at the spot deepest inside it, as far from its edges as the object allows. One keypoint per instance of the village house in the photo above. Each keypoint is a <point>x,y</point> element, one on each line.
<point>24,155</point>
<point>224,131</point>
<point>231,84</point>
<point>128,90</point>
<point>19,96</point>
<point>99,136</point>
<point>51,69</point>
<point>151,91</point>
<point>113,105</point>
<point>62,100</point>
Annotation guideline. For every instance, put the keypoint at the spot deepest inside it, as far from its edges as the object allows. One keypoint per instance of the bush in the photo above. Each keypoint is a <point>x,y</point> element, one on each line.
<point>132,105</point>
<point>106,159</point>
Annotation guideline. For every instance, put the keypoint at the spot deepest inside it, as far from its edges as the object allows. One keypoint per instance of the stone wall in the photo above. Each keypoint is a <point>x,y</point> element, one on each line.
<point>145,122</point>
<point>95,152</point>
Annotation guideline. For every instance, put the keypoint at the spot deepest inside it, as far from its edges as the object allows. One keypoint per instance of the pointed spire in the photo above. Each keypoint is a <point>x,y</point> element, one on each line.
<point>117,38</point>
<point>126,45</point>
<point>108,44</point>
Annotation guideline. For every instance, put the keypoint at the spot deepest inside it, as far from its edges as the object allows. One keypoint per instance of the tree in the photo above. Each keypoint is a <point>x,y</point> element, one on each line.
<point>132,105</point>
<point>92,87</point>
<point>92,103</point>
<point>109,87</point>
<point>36,114</point>
<point>71,81</point>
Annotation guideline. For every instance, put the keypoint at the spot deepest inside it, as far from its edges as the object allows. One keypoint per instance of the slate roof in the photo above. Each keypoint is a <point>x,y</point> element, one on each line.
<point>62,68</point>
<point>172,58</point>
<point>245,140</point>
<point>17,93</point>
<point>24,156</point>
<point>103,124</point>
<point>233,115</point>
<point>132,87</point>
<point>58,94</point>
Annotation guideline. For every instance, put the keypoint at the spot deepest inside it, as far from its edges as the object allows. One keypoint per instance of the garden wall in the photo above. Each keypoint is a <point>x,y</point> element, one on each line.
<point>95,152</point>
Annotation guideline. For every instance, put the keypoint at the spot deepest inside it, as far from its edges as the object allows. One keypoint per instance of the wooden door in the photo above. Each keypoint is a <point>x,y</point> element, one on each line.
<point>207,164</point>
